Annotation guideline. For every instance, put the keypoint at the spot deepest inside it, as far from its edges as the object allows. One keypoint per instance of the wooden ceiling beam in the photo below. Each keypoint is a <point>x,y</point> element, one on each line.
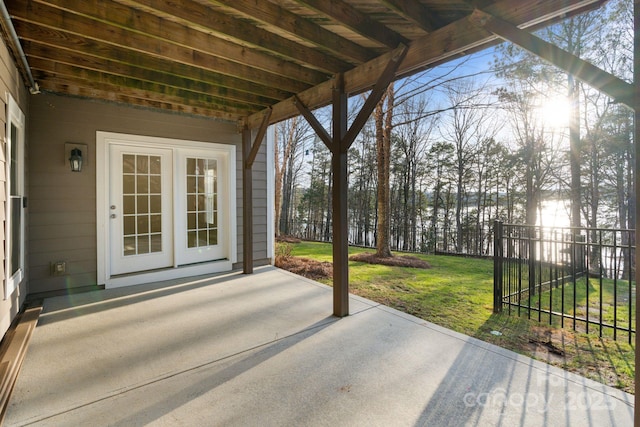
<point>145,23</point>
<point>144,91</point>
<point>445,43</point>
<point>277,16</point>
<point>64,22</point>
<point>414,11</point>
<point>90,54</point>
<point>194,92</point>
<point>357,21</point>
<point>44,53</point>
<point>241,31</point>
<point>74,90</point>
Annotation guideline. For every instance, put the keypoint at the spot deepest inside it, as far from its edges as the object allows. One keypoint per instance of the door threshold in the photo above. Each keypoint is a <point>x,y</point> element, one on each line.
<point>130,279</point>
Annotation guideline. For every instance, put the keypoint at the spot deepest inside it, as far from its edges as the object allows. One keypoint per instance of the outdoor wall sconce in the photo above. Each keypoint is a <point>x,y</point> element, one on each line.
<point>76,154</point>
<point>76,160</point>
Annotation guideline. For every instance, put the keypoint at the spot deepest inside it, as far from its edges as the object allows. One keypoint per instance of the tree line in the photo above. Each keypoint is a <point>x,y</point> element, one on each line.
<point>455,149</point>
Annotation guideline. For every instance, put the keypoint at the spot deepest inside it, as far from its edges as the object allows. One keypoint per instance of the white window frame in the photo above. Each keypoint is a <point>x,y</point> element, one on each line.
<point>15,117</point>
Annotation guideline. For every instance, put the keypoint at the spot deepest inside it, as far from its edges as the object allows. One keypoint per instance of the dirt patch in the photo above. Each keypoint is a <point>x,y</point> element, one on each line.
<point>306,267</point>
<point>394,261</point>
<point>287,239</point>
<point>547,344</point>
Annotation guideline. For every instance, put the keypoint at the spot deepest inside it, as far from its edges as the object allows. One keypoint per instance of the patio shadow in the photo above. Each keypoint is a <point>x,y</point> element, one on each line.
<point>493,386</point>
<point>209,376</point>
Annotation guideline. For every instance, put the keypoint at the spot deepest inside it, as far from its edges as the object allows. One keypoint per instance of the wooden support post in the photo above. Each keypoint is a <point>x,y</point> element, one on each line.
<point>247,203</point>
<point>339,144</point>
<point>339,199</point>
<point>249,152</point>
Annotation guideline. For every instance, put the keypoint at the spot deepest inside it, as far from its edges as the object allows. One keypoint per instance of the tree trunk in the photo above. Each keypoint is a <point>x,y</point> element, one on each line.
<point>574,149</point>
<point>459,190</point>
<point>383,151</point>
<point>278,183</point>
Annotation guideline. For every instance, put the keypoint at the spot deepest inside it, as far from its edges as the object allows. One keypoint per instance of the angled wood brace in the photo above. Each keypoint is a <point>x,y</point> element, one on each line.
<point>607,83</point>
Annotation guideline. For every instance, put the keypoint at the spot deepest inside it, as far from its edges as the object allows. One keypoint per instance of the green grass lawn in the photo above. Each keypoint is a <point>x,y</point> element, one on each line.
<point>457,293</point>
<point>589,298</point>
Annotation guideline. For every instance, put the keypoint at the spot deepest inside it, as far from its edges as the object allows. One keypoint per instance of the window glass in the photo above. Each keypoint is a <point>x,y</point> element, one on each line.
<point>202,195</point>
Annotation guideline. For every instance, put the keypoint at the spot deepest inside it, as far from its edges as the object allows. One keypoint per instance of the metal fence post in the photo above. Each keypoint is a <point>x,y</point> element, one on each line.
<point>498,253</point>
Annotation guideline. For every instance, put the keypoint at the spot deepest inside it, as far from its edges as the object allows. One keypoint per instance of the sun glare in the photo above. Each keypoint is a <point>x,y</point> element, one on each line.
<point>554,112</point>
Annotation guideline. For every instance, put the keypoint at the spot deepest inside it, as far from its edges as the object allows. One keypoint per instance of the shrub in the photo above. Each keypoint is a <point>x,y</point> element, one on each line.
<point>283,252</point>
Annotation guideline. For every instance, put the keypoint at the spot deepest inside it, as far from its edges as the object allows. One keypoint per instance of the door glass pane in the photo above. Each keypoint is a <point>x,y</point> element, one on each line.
<point>14,160</point>
<point>129,225</point>
<point>154,165</point>
<point>16,227</point>
<point>143,184</point>
<point>141,204</point>
<point>156,243</point>
<point>143,224</point>
<point>142,164</point>
<point>191,167</point>
<point>155,186</point>
<point>16,205</point>
<point>128,184</point>
<point>128,204</point>
<point>143,244</point>
<point>130,245</point>
<point>128,163</point>
<point>156,223</point>
<point>155,204</point>
<point>201,202</point>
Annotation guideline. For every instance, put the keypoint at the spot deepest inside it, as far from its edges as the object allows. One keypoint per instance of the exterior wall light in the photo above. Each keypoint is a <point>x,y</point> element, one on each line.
<point>77,155</point>
<point>76,160</point>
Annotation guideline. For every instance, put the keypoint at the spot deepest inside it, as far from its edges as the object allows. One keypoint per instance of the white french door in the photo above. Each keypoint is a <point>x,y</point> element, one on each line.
<point>141,209</point>
<point>199,232</point>
<point>165,208</point>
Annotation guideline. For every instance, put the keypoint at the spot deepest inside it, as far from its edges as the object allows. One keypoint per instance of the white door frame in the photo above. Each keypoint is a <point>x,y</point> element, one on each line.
<point>15,118</point>
<point>225,151</point>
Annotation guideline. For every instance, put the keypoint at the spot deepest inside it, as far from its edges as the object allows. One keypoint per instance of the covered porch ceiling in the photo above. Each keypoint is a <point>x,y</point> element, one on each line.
<point>236,59</point>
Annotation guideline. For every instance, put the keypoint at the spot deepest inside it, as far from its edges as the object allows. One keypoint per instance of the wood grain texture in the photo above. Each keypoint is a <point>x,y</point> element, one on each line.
<point>233,59</point>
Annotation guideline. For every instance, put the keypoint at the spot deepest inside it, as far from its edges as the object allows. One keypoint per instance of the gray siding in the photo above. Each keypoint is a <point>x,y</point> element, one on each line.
<point>260,204</point>
<point>10,82</point>
<point>63,204</point>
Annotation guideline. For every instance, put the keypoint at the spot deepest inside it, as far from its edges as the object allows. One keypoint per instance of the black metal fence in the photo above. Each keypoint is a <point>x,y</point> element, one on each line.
<point>575,278</point>
<point>474,240</point>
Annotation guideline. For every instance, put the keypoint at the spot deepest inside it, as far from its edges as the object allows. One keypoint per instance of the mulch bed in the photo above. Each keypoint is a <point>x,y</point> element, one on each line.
<point>287,239</point>
<point>394,261</point>
<point>316,270</point>
<point>306,267</point>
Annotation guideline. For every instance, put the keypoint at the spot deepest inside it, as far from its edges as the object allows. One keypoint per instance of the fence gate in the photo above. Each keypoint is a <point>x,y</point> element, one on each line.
<point>578,278</point>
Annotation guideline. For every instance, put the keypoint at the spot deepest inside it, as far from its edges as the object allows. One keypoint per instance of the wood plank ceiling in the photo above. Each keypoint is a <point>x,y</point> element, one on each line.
<point>232,59</point>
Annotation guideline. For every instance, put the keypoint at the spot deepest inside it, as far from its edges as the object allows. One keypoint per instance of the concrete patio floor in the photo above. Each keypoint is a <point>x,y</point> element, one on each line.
<point>263,350</point>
